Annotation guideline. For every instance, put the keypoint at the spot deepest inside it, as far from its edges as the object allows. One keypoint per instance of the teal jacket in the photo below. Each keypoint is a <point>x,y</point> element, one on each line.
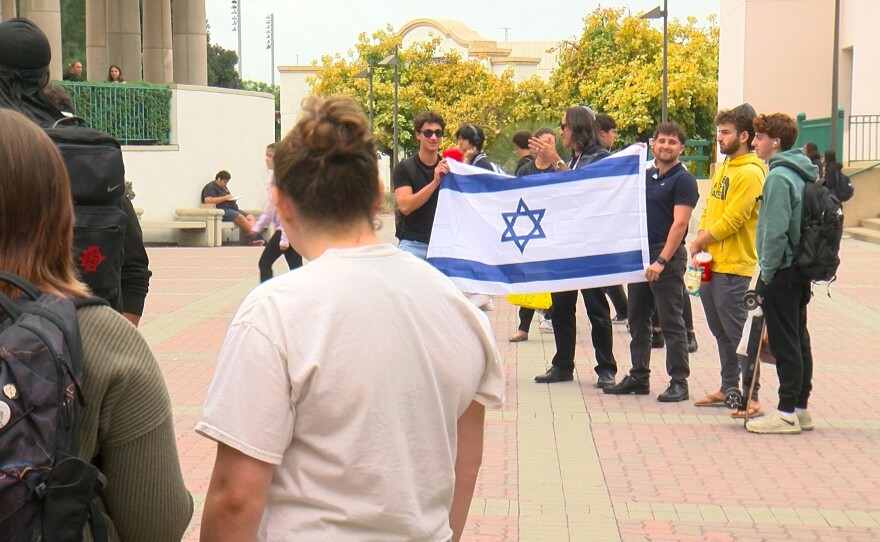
<point>779,221</point>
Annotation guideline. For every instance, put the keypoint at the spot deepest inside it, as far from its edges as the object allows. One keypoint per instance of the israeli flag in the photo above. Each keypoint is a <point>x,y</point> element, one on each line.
<point>550,232</point>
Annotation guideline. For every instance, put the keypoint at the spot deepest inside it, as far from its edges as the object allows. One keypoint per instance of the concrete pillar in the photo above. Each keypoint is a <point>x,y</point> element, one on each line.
<point>158,58</point>
<point>7,9</point>
<point>190,41</point>
<point>123,39</point>
<point>47,15</point>
<point>96,40</point>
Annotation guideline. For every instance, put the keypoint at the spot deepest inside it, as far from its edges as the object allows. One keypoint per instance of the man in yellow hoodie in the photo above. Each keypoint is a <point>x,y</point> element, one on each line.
<point>727,232</point>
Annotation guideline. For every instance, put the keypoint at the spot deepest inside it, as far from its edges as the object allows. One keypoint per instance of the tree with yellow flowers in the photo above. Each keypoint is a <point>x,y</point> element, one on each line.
<point>616,68</point>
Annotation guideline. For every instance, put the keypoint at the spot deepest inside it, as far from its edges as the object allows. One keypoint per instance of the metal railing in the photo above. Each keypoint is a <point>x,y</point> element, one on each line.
<point>135,114</point>
<point>864,138</point>
<point>697,156</point>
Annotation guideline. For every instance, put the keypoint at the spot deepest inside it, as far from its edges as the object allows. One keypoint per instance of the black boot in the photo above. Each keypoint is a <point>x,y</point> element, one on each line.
<point>555,374</point>
<point>676,392</point>
<point>628,385</point>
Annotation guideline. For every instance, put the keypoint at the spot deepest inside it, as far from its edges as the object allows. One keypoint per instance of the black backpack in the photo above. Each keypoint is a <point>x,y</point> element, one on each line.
<point>816,257</point>
<point>46,491</point>
<point>97,181</point>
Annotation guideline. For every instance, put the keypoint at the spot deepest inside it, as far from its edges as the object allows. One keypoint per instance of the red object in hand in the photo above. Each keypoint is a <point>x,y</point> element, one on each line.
<point>453,154</point>
<point>704,261</point>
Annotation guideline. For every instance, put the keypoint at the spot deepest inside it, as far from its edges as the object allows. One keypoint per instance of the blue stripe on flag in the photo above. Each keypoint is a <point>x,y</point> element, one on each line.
<point>549,270</point>
<point>492,182</point>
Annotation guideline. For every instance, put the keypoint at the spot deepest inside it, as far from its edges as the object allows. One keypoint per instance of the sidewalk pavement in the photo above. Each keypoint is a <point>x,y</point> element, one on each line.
<point>564,462</point>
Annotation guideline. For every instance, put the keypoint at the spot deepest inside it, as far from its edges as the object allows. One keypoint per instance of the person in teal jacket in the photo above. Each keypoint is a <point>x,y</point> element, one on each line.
<point>784,292</point>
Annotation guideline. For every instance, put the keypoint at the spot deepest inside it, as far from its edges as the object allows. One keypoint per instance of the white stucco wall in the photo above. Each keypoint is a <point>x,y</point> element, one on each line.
<point>212,129</point>
<point>780,51</point>
<point>425,33</point>
<point>731,54</point>
<point>861,79</point>
<point>293,89</point>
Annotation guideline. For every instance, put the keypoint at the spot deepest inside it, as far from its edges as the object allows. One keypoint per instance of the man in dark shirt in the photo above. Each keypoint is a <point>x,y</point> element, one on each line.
<point>670,196</point>
<point>217,193</point>
<point>415,182</point>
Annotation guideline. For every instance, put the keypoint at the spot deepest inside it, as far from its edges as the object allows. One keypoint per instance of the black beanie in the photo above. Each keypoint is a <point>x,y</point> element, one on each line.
<point>23,46</point>
<point>745,109</point>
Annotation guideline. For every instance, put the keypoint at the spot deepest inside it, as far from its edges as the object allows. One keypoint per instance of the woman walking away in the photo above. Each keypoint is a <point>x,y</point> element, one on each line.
<point>361,421</point>
<point>125,425</point>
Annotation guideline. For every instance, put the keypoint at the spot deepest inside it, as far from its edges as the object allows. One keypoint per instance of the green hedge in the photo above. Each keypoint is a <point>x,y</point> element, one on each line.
<point>135,114</point>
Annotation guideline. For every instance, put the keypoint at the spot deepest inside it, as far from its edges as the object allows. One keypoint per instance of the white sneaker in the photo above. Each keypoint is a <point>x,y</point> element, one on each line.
<point>546,326</point>
<point>775,424</point>
<point>805,420</point>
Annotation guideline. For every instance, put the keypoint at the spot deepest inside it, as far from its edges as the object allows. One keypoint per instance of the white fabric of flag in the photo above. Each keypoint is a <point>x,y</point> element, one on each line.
<point>549,232</point>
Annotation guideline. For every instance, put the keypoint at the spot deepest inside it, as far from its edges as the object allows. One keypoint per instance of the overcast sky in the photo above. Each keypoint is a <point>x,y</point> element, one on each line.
<point>306,30</point>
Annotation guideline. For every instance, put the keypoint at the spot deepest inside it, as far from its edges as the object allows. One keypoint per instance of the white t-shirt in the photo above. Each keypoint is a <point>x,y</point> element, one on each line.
<point>350,374</point>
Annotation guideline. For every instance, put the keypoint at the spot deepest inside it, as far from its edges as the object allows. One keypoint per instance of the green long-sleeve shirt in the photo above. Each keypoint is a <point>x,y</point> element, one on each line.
<point>127,424</point>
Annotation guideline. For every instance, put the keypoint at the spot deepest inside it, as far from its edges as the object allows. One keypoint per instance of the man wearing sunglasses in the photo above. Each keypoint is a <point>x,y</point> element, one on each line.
<point>415,181</point>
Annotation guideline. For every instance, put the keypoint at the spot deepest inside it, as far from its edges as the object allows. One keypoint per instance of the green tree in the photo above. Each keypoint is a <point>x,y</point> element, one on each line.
<point>462,91</point>
<point>616,67</point>
<point>262,86</point>
<point>73,33</point>
<point>221,67</point>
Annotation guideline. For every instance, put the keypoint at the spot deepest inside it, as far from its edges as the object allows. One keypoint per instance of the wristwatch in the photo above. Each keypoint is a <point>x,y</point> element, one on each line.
<point>560,163</point>
<point>661,260</point>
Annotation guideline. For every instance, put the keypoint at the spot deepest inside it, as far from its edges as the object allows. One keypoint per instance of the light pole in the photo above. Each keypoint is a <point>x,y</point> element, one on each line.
<point>369,75</point>
<point>835,60</point>
<point>392,60</point>
<point>236,26</point>
<point>270,41</point>
<point>658,13</point>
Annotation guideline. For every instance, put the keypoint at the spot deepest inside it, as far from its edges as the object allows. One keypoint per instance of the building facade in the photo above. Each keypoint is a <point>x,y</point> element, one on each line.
<point>171,48</point>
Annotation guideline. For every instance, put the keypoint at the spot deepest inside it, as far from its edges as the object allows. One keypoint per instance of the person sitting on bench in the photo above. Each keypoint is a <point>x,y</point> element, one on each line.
<point>217,193</point>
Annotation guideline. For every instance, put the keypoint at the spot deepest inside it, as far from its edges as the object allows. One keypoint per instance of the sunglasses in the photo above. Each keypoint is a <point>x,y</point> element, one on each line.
<point>429,133</point>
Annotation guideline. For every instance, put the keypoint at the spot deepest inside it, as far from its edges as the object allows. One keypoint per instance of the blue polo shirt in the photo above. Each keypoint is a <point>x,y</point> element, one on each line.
<point>662,193</point>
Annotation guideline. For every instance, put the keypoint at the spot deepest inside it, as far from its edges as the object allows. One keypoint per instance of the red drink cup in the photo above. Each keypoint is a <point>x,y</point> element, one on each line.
<point>704,261</point>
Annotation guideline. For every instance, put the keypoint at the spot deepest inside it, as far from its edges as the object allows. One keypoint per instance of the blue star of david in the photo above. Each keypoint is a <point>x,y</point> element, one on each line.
<point>522,210</point>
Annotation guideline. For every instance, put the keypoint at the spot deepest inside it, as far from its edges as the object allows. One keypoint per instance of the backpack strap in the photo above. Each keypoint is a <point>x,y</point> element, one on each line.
<point>29,289</point>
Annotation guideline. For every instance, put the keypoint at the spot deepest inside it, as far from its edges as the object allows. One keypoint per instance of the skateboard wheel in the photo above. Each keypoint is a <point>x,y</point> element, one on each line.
<point>733,399</point>
<point>750,300</point>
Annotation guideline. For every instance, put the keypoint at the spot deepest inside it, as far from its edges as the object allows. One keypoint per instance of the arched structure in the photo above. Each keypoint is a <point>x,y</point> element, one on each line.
<point>172,49</point>
<point>527,58</point>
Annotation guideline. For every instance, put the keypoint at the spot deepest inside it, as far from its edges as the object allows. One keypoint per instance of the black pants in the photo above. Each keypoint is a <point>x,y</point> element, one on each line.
<point>565,330</point>
<point>687,313</point>
<point>785,312</point>
<point>271,252</point>
<point>664,295</point>
<point>526,315</point>
<point>617,295</point>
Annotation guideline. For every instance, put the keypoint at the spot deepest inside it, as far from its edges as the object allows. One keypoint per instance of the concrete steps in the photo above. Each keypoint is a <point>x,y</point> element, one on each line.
<point>868,230</point>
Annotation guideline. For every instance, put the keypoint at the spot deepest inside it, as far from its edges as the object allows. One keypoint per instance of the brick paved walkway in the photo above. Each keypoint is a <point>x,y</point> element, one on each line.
<point>566,462</point>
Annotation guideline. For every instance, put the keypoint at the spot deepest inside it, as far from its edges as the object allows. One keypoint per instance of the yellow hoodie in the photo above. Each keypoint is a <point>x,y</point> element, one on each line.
<point>731,214</point>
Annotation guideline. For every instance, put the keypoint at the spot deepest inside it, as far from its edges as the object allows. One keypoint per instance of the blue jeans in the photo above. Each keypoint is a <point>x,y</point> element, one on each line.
<point>416,248</point>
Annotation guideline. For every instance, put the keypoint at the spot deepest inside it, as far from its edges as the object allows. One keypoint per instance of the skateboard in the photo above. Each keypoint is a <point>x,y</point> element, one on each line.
<point>734,398</point>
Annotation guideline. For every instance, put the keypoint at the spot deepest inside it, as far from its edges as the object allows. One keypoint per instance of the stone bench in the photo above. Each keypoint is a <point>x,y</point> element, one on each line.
<point>194,229</point>
<point>228,231</point>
